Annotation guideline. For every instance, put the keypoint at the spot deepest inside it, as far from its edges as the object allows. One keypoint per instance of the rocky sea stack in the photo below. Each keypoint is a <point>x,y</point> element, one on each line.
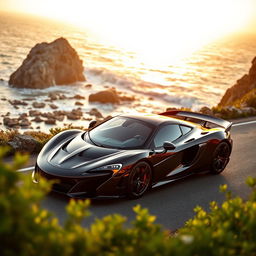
<point>243,92</point>
<point>48,64</point>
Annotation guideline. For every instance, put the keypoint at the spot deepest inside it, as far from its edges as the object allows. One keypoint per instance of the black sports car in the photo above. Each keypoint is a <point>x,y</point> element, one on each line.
<point>128,154</point>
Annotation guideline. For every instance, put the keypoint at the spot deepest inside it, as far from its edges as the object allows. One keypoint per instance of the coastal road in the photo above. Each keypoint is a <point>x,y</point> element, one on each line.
<point>173,203</point>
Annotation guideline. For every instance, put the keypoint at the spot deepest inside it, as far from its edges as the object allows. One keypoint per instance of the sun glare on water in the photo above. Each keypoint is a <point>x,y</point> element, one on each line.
<point>157,30</point>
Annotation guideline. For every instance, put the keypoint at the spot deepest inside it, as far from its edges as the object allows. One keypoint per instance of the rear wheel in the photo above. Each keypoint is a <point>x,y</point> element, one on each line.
<point>139,180</point>
<point>220,158</point>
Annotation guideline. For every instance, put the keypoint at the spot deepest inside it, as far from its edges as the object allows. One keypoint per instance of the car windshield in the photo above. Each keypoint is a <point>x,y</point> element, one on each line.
<point>121,132</point>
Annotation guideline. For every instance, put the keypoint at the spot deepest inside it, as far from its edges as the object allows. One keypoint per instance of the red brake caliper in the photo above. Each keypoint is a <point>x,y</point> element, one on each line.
<point>145,176</point>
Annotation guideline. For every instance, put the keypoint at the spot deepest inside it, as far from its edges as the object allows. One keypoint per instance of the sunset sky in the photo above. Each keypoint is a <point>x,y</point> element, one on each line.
<point>139,25</point>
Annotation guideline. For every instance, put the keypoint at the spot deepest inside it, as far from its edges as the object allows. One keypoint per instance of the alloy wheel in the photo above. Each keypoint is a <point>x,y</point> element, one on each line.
<point>140,179</point>
<point>221,157</point>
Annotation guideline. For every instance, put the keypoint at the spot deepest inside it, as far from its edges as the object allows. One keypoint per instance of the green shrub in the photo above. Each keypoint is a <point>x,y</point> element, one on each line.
<point>28,229</point>
<point>228,229</point>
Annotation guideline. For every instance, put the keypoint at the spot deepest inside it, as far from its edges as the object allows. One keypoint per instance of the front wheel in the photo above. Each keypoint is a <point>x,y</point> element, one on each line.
<point>139,180</point>
<point>220,158</point>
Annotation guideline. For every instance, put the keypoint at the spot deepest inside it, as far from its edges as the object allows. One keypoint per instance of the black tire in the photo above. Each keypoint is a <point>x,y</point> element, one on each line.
<point>139,180</point>
<point>220,158</point>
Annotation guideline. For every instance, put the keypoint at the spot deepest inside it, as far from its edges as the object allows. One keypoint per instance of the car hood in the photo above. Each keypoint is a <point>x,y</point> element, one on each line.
<point>76,155</point>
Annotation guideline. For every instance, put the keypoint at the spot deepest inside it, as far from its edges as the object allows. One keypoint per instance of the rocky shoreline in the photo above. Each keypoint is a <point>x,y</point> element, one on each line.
<point>246,85</point>
<point>57,62</point>
<point>47,65</point>
<point>32,141</point>
<point>34,112</point>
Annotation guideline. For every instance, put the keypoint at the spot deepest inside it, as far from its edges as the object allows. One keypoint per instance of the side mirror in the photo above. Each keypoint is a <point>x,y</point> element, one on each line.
<point>92,124</point>
<point>168,146</point>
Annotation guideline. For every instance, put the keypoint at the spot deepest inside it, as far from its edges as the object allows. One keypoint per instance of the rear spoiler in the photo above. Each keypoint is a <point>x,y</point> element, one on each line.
<point>200,117</point>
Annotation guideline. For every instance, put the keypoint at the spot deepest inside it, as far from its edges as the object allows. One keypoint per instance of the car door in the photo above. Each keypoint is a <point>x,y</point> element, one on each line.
<point>164,162</point>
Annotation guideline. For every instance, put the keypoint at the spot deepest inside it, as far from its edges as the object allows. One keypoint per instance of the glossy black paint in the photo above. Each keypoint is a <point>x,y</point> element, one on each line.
<point>72,160</point>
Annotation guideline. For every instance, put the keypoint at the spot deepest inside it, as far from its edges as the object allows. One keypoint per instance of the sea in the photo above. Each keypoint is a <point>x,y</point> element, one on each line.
<point>199,79</point>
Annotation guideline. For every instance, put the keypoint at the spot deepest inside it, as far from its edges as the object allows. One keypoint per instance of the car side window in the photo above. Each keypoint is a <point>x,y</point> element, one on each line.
<point>167,133</point>
<point>185,129</point>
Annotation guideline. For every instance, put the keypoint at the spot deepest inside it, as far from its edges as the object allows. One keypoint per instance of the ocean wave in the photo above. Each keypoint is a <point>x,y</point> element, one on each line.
<point>199,79</point>
<point>103,76</point>
<point>140,87</point>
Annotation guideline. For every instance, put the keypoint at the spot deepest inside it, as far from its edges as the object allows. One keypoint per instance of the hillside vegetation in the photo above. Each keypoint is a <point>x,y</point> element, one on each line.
<point>28,229</point>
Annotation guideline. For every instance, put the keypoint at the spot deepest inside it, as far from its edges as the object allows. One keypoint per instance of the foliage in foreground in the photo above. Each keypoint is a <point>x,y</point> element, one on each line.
<point>28,229</point>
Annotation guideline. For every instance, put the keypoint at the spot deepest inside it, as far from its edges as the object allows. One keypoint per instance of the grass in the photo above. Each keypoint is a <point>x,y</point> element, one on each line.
<point>249,99</point>
<point>6,136</point>
<point>40,137</point>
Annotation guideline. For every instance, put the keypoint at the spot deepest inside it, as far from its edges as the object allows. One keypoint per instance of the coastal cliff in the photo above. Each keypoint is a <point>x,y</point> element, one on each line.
<point>243,93</point>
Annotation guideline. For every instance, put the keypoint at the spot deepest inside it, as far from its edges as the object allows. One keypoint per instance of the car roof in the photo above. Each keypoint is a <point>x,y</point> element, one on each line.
<point>156,120</point>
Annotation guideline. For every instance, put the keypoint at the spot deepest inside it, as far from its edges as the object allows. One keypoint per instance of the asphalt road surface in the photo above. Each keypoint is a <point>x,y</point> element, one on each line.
<point>173,203</point>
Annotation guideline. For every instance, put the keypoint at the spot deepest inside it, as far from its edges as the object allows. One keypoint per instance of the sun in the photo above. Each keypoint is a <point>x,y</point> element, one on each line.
<point>157,30</point>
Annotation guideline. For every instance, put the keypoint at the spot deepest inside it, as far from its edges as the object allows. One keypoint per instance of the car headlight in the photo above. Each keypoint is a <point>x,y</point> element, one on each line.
<point>111,167</point>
